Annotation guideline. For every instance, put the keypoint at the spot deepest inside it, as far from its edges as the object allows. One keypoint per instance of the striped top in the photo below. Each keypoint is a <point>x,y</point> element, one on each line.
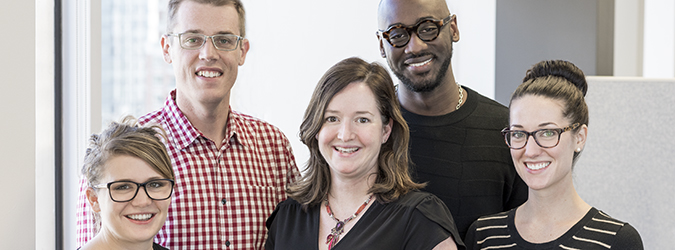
<point>596,230</point>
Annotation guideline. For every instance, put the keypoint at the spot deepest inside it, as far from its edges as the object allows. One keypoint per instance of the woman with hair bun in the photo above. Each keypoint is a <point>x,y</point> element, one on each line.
<point>548,127</point>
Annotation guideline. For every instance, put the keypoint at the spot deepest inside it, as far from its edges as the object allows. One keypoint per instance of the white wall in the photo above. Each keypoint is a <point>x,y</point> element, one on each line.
<point>17,150</point>
<point>659,38</point>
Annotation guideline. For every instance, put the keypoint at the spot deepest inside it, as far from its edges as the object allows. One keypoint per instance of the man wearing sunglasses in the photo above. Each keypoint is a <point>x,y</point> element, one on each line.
<point>455,141</point>
<point>231,169</point>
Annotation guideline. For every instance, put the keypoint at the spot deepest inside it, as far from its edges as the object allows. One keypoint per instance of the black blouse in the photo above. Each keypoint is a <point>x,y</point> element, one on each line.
<point>417,220</point>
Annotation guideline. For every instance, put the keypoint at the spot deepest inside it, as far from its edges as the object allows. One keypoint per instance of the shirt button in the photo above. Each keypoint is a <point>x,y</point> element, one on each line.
<point>227,243</point>
<point>223,201</point>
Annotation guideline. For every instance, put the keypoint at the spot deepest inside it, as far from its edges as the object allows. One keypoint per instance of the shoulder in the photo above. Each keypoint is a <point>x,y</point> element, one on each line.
<point>625,235</point>
<point>287,209</point>
<point>154,117</point>
<point>156,246</point>
<point>256,125</point>
<point>482,231</point>
<point>487,105</point>
<point>501,218</point>
<point>414,198</point>
<point>289,214</point>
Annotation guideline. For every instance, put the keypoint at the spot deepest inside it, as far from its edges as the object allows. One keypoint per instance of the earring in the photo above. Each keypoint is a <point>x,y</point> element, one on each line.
<point>578,150</point>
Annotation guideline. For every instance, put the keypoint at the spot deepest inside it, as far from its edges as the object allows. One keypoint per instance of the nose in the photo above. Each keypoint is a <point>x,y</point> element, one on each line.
<point>532,148</point>
<point>142,198</point>
<point>208,51</point>
<point>415,45</point>
<point>345,133</point>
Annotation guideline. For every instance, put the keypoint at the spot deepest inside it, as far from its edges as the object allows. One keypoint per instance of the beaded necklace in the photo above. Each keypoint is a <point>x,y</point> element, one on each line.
<point>339,228</point>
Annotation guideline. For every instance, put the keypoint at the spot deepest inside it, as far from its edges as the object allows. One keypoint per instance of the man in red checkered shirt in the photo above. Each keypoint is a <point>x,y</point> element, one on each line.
<point>231,169</point>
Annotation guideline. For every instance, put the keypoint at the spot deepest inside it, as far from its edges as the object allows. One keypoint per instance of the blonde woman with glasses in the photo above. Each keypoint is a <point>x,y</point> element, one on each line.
<point>130,183</point>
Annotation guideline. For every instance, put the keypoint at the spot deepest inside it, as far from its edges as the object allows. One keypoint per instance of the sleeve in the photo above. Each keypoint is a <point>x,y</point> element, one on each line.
<point>271,230</point>
<point>85,226</point>
<point>470,239</point>
<point>431,223</point>
<point>288,161</point>
<point>628,238</point>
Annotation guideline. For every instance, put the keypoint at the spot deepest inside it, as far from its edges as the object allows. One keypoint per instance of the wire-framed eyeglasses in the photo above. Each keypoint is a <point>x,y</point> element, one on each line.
<point>427,30</point>
<point>193,41</point>
<point>545,138</point>
<point>123,191</point>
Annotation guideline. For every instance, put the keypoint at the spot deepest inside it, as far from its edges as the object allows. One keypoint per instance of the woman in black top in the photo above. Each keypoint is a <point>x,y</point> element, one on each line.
<point>357,193</point>
<point>548,128</point>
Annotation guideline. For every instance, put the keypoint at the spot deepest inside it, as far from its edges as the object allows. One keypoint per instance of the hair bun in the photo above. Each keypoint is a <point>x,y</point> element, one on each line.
<point>559,68</point>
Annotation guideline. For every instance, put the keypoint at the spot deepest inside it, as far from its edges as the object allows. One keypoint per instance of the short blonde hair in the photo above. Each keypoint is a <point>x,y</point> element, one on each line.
<point>126,138</point>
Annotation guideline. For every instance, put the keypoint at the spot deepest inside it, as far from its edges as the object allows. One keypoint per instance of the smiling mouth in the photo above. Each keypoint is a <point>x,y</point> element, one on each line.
<point>537,166</point>
<point>209,74</point>
<point>420,64</point>
<point>140,217</point>
<point>346,150</point>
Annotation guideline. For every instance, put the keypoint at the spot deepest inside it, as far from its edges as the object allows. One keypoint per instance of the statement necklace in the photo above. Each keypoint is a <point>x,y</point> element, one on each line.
<point>340,225</point>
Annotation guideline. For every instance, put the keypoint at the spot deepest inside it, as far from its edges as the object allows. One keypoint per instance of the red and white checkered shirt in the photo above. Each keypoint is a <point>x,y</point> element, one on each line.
<point>222,196</point>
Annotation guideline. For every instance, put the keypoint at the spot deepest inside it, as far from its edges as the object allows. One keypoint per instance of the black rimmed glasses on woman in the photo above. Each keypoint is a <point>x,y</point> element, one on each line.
<point>545,138</point>
<point>427,30</point>
<point>123,191</point>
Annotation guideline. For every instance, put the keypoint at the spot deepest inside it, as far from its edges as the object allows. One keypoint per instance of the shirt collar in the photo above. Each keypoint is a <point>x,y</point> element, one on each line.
<point>184,134</point>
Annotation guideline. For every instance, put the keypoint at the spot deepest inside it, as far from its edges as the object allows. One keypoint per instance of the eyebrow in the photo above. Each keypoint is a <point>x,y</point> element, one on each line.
<point>416,21</point>
<point>540,125</point>
<point>198,31</point>
<point>146,180</point>
<point>357,112</point>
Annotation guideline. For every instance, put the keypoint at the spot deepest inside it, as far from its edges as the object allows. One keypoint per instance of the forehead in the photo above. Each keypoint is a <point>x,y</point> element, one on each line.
<point>408,12</point>
<point>356,96</point>
<point>205,18</point>
<point>133,168</point>
<point>531,110</point>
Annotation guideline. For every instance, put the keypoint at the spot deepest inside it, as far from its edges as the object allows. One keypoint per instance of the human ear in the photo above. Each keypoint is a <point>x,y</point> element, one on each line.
<point>455,30</point>
<point>581,137</point>
<point>387,131</point>
<point>245,46</point>
<point>164,42</point>
<point>92,198</point>
<point>382,52</point>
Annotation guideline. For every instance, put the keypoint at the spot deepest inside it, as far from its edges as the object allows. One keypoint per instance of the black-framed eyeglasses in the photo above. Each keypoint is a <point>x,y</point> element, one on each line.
<point>123,191</point>
<point>192,41</point>
<point>427,30</point>
<point>545,138</point>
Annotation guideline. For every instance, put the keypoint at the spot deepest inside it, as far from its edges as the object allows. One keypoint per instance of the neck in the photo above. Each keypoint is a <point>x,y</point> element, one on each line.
<point>440,101</point>
<point>560,204</point>
<point>348,195</point>
<point>209,118</point>
<point>104,240</point>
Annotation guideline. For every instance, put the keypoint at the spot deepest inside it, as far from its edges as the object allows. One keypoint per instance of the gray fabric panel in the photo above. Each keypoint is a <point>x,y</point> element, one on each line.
<point>627,168</point>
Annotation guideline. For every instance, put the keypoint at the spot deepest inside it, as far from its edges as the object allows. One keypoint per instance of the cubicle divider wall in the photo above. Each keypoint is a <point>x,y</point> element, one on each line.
<point>626,168</point>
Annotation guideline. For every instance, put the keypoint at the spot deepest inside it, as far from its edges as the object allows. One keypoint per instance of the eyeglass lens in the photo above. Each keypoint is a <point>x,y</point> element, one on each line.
<point>122,191</point>
<point>544,137</point>
<point>426,31</point>
<point>196,41</point>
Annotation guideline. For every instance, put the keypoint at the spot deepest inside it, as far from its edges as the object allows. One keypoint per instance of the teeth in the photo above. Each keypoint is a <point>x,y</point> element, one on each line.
<point>420,63</point>
<point>208,73</point>
<point>346,150</point>
<point>537,166</point>
<point>141,217</point>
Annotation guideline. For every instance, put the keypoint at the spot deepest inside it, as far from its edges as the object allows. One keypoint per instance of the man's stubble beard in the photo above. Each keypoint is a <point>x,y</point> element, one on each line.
<point>425,86</point>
